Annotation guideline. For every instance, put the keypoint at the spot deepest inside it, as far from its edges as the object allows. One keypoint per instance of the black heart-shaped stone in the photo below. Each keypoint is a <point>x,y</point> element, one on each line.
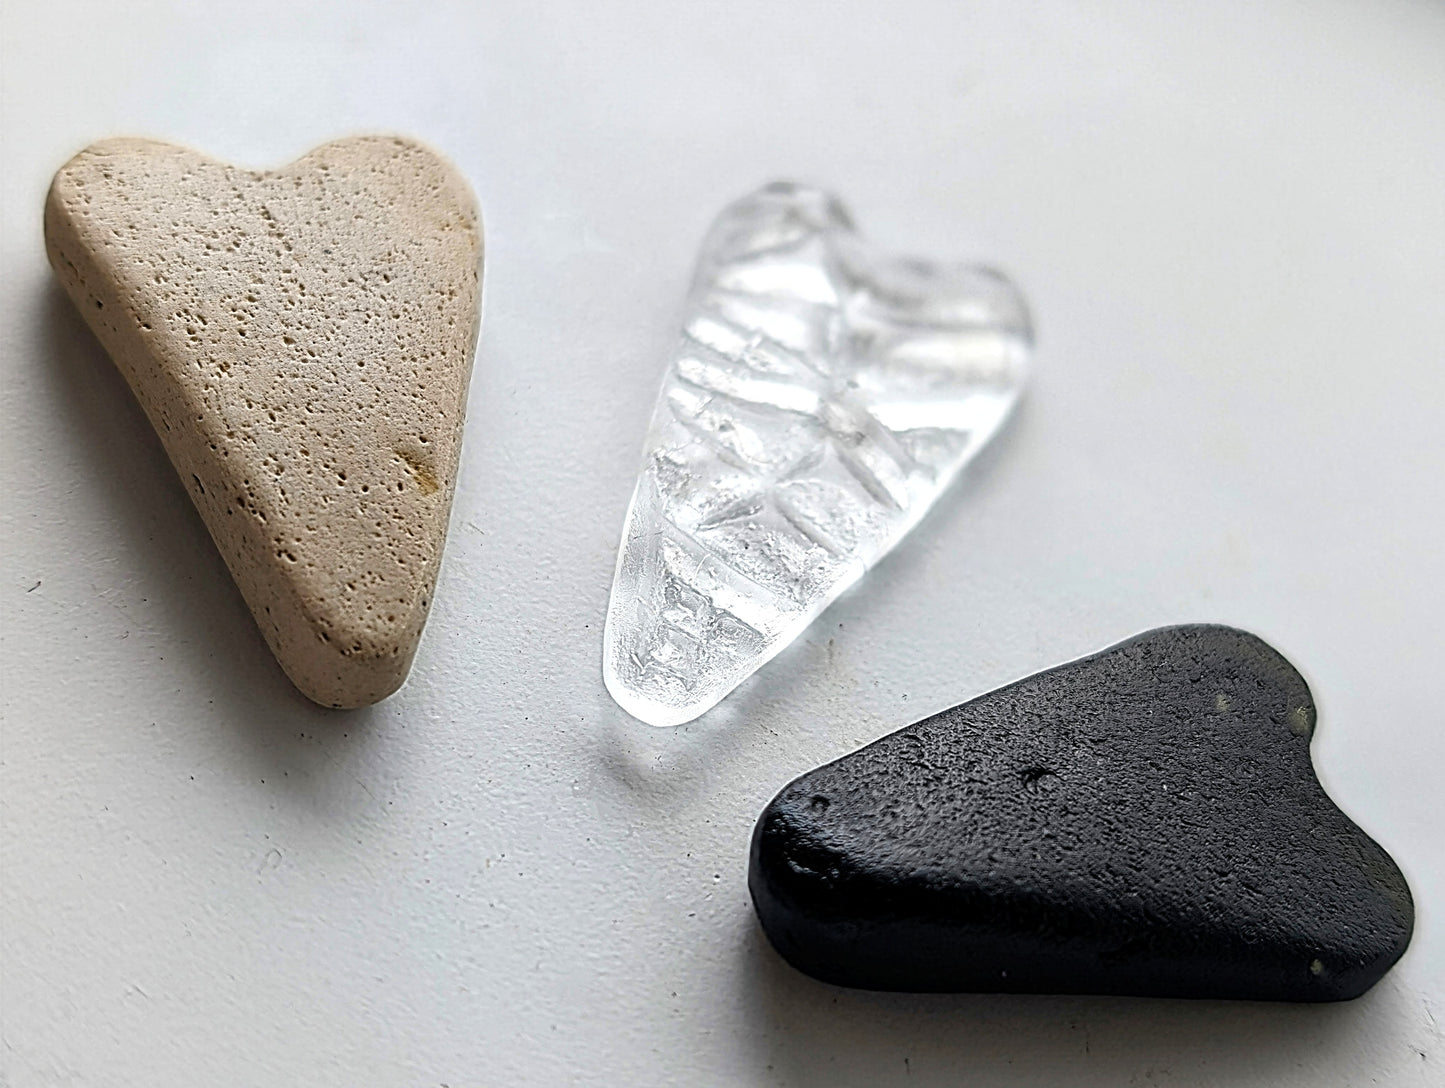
<point>1143,821</point>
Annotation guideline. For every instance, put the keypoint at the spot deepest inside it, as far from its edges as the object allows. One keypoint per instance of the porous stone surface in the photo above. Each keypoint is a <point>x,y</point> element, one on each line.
<point>301,339</point>
<point>1144,821</point>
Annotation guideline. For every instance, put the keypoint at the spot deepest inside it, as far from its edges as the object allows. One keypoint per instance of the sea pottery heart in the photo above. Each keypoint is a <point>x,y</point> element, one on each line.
<point>821,397</point>
<point>301,340</point>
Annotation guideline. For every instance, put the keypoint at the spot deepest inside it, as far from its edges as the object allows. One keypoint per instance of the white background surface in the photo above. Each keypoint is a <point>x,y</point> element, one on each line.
<point>1229,220</point>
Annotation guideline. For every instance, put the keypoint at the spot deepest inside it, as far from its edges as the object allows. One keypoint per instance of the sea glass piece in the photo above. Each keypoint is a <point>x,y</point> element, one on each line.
<point>821,397</point>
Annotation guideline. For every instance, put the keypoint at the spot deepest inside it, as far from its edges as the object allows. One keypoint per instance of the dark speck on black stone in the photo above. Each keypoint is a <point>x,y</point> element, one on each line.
<point>1144,821</point>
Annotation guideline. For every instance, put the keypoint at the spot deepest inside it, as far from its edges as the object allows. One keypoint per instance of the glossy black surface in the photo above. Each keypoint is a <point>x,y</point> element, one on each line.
<point>1143,821</point>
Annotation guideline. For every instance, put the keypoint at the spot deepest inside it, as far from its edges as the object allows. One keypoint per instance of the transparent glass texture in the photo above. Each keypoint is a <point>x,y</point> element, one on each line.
<point>821,397</point>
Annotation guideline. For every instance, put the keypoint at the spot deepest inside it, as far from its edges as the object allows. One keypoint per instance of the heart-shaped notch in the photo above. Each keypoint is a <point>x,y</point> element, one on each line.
<point>301,340</point>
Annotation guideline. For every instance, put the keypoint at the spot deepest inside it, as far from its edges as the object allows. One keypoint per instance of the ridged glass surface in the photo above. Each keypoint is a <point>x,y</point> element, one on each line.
<point>821,397</point>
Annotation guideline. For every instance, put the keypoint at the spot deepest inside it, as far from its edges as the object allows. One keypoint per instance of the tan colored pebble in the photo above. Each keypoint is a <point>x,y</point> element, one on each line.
<point>301,340</point>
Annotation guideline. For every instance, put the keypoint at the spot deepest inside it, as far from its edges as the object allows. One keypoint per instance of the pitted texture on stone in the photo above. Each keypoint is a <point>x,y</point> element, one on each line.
<point>821,398</point>
<point>1144,821</point>
<point>301,340</point>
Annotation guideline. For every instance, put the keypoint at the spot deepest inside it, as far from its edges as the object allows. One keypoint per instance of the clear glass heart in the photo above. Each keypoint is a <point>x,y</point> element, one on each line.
<point>821,397</point>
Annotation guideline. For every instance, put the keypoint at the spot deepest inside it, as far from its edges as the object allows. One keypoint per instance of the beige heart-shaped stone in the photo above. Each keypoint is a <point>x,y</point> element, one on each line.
<point>301,340</point>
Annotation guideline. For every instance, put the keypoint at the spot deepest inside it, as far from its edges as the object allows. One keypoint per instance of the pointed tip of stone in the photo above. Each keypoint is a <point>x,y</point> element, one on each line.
<point>349,669</point>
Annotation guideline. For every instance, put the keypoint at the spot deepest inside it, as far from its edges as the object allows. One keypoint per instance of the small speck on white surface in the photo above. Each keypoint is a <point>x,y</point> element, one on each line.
<point>1227,218</point>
